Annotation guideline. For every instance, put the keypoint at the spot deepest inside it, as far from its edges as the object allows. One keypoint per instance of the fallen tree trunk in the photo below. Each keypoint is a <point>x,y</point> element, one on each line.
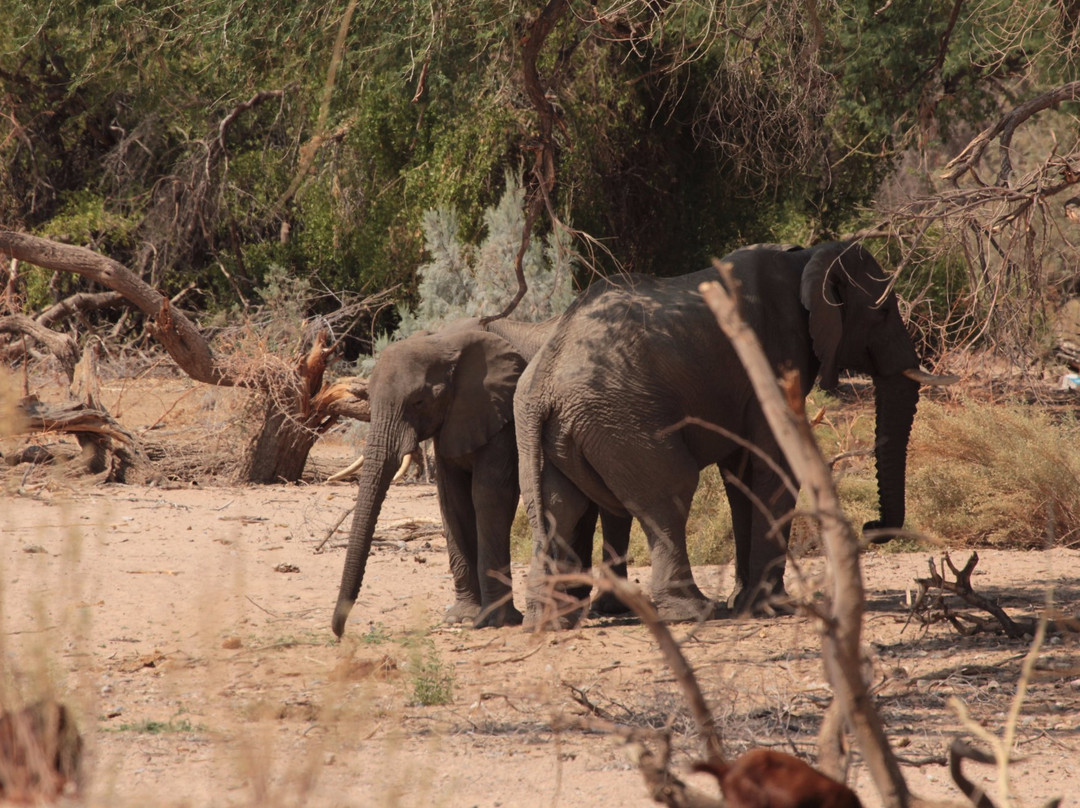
<point>62,346</point>
<point>295,414</point>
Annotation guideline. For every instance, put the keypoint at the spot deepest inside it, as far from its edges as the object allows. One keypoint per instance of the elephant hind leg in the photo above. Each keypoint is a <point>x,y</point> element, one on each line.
<point>557,548</point>
<point>663,512</point>
<point>616,544</point>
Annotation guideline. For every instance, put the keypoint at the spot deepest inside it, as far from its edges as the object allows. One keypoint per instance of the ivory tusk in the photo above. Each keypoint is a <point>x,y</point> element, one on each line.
<point>924,377</point>
<point>405,463</point>
<point>352,468</point>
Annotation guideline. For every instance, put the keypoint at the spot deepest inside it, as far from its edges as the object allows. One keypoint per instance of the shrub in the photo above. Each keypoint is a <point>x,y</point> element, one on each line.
<point>1004,475</point>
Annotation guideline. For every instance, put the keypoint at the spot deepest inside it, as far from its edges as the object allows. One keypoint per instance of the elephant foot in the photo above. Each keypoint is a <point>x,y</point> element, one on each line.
<point>498,616</point>
<point>463,611</point>
<point>546,616</point>
<point>755,602</point>
<point>608,605</point>
<point>682,609</point>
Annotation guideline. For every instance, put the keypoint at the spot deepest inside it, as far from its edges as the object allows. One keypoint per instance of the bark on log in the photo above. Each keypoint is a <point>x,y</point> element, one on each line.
<point>296,412</point>
<point>346,398</point>
<point>107,448</point>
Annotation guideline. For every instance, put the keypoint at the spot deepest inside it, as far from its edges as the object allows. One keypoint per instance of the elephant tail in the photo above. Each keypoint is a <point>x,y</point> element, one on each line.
<point>529,419</point>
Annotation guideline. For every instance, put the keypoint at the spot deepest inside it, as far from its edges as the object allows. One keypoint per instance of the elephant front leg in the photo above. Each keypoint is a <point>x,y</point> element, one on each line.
<point>761,524</point>
<point>495,499</point>
<point>459,524</point>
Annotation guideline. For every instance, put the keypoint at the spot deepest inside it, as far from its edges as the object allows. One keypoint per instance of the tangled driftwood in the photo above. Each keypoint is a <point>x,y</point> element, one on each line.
<point>930,605</point>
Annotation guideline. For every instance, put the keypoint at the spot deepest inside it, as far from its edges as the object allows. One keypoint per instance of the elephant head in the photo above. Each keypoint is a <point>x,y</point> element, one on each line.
<point>855,324</point>
<point>456,386</point>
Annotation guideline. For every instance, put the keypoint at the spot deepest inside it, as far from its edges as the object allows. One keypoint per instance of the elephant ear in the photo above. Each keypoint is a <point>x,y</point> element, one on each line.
<point>485,375</point>
<point>819,292</point>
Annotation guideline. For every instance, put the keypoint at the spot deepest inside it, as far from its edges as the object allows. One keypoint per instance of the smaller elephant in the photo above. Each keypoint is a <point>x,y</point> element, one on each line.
<point>455,386</point>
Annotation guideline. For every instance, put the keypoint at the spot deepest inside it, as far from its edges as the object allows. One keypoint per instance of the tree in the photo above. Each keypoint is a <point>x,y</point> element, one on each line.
<point>295,412</point>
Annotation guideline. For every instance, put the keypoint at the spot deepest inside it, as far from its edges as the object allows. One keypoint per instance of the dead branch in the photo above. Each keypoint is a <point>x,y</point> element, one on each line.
<point>62,346</point>
<point>841,630</point>
<point>347,397</point>
<point>1003,227</point>
<point>244,106</point>
<point>78,304</point>
<point>959,751</point>
<point>931,597</point>
<point>543,171</point>
<point>1004,129</point>
<point>962,588</point>
<point>664,787</point>
<point>169,325</point>
<point>1002,747</point>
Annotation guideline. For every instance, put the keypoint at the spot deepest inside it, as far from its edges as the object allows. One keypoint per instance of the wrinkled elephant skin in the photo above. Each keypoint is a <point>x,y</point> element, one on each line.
<point>638,390</point>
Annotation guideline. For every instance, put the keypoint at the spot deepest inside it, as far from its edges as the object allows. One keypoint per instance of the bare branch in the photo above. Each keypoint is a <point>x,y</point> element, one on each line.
<point>61,346</point>
<point>175,331</point>
<point>1004,129</point>
<point>543,170</point>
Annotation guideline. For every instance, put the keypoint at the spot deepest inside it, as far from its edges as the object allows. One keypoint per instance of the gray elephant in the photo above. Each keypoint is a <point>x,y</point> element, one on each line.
<point>456,386</point>
<point>615,409</point>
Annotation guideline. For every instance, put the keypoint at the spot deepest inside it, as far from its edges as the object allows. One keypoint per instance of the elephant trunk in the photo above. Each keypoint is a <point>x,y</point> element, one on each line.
<point>375,478</point>
<point>896,398</point>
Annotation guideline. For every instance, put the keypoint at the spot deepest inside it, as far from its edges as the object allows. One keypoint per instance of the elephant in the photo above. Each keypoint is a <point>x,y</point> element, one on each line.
<point>638,390</point>
<point>456,387</point>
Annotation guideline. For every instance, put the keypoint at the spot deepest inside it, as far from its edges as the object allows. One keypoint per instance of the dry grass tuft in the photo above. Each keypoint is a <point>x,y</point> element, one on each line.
<point>1002,475</point>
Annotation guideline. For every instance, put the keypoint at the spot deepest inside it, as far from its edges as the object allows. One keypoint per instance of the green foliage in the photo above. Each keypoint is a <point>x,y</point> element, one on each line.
<point>463,281</point>
<point>995,474</point>
<point>377,634</point>
<point>432,679</point>
<point>721,124</point>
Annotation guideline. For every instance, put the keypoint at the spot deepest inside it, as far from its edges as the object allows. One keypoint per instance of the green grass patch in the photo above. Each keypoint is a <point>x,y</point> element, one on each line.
<point>432,679</point>
<point>377,634</point>
<point>151,727</point>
